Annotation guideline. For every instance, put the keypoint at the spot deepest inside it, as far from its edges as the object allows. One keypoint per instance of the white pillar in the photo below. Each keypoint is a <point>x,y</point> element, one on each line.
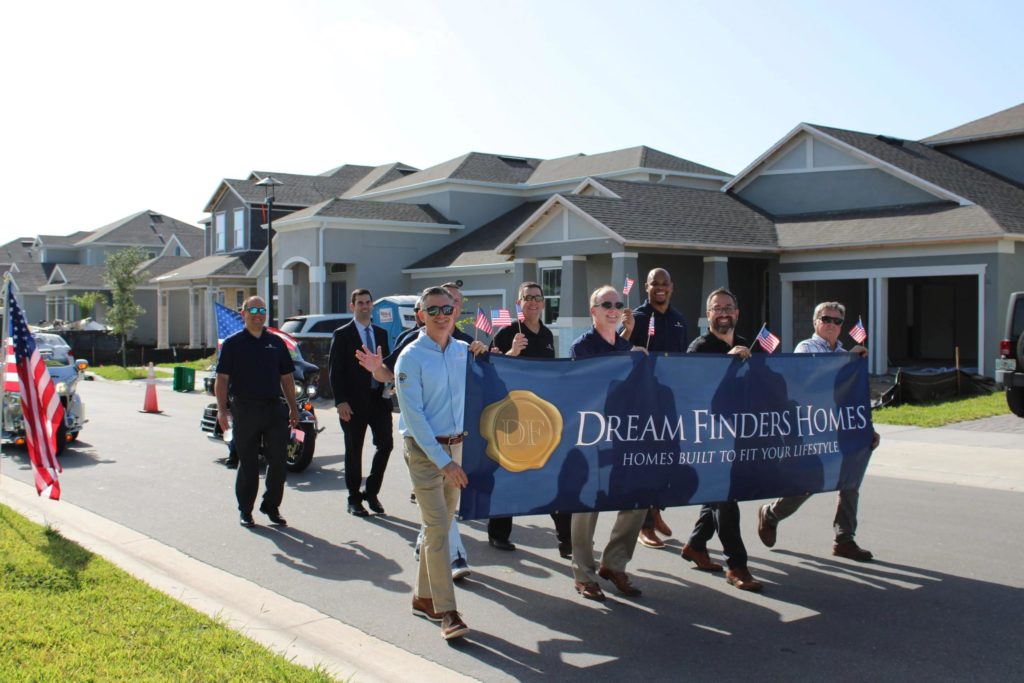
<point>786,333</point>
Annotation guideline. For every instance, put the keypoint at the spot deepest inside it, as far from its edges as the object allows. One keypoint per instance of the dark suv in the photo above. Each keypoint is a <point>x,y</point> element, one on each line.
<point>1010,364</point>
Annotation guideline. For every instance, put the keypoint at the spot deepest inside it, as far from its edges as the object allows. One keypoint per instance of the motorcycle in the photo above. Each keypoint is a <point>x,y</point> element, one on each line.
<point>302,440</point>
<point>65,373</point>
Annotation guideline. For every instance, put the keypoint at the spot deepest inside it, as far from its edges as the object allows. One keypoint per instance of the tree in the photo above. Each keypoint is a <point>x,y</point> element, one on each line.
<point>123,276</point>
<point>87,303</point>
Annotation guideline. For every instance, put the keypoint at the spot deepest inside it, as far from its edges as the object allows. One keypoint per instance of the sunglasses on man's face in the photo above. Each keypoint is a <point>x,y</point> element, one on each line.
<point>432,311</point>
<point>257,310</point>
<point>830,319</point>
<point>534,297</point>
<point>609,305</point>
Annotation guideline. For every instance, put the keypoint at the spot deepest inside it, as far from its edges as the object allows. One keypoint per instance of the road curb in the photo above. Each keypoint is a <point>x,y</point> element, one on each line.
<point>292,629</point>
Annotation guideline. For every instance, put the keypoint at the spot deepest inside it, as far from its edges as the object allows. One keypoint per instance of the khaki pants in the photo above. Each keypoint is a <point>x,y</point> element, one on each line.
<point>617,553</point>
<point>438,501</point>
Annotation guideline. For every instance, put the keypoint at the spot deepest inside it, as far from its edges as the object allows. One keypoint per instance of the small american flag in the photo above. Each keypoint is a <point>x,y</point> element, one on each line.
<point>768,341</point>
<point>519,313</point>
<point>500,317</point>
<point>858,332</point>
<point>628,286</point>
<point>40,404</point>
<point>650,327</point>
<point>483,323</point>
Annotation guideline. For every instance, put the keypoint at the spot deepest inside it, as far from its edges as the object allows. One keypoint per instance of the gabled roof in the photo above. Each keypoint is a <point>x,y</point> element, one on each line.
<point>61,240</point>
<point>583,165</point>
<point>145,228</point>
<point>477,166</point>
<point>371,211</point>
<point>207,267</point>
<point>30,276</point>
<point>351,172</point>
<point>76,276</point>
<point>381,175</point>
<point>164,264</point>
<point>1001,124</point>
<point>681,217</point>
<point>298,190</point>
<point>17,251</point>
<point>480,246</point>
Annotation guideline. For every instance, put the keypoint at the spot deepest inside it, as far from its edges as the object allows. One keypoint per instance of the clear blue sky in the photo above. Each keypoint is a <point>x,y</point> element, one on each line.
<point>115,107</point>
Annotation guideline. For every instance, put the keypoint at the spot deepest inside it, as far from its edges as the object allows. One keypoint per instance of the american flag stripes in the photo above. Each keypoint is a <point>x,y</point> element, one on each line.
<point>519,313</point>
<point>650,327</point>
<point>500,317</point>
<point>858,332</point>
<point>768,341</point>
<point>40,404</point>
<point>11,382</point>
<point>483,323</point>
<point>628,286</point>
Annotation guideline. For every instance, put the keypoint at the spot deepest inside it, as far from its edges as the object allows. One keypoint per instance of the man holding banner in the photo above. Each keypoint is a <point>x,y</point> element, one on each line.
<point>828,322</point>
<point>606,311</point>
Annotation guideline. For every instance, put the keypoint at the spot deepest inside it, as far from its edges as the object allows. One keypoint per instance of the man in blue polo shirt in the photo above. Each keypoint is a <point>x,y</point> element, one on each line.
<point>255,369</point>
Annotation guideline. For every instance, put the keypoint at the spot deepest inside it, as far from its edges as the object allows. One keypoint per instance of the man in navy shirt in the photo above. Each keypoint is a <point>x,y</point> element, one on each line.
<point>606,310</point>
<point>670,336</point>
<point>256,370</point>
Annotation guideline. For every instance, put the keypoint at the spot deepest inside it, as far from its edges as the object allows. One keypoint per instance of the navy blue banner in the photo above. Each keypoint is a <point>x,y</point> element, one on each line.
<point>629,431</point>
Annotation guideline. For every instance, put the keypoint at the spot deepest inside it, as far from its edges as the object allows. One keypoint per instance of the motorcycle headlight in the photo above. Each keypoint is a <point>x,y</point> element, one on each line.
<point>61,388</point>
<point>299,388</point>
<point>312,391</point>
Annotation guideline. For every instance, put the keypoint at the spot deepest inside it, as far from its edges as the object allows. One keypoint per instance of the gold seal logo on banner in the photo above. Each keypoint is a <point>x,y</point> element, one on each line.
<point>522,431</point>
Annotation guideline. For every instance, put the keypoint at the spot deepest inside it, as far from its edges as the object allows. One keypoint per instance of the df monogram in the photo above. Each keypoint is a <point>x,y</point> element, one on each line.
<point>522,431</point>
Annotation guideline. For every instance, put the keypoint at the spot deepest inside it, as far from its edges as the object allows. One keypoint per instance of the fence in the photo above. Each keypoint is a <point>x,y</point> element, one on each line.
<point>101,348</point>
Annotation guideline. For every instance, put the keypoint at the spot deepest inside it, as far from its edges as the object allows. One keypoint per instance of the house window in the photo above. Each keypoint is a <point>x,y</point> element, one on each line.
<point>551,284</point>
<point>220,231</point>
<point>239,298</point>
<point>239,223</point>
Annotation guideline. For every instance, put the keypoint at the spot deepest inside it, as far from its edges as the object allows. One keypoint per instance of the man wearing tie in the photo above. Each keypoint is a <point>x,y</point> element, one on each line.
<point>360,402</point>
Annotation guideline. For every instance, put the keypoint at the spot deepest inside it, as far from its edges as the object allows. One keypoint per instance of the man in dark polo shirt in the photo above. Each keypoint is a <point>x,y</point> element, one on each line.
<point>723,311</point>
<point>670,336</point>
<point>255,369</point>
<point>528,339</point>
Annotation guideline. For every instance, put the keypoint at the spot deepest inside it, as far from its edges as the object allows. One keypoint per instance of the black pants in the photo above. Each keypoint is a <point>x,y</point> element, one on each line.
<point>725,518</point>
<point>260,422</point>
<point>379,422</point>
<point>500,528</point>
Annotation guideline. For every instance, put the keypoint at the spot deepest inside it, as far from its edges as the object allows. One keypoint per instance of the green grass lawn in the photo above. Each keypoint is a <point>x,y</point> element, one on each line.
<point>68,614</point>
<point>946,412</point>
<point>116,372</point>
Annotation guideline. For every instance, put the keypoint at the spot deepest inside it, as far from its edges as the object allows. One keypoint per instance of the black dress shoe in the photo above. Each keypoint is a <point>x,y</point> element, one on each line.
<point>374,503</point>
<point>246,520</point>
<point>357,509</point>
<point>565,549</point>
<point>274,516</point>
<point>500,544</point>
<point>231,464</point>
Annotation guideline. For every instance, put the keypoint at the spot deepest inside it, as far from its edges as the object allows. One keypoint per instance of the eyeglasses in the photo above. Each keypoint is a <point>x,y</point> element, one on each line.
<point>609,305</point>
<point>722,309</point>
<point>830,319</point>
<point>534,297</point>
<point>257,310</point>
<point>432,311</point>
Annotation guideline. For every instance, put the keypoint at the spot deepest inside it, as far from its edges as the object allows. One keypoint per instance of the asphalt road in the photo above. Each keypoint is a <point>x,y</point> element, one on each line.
<point>943,601</point>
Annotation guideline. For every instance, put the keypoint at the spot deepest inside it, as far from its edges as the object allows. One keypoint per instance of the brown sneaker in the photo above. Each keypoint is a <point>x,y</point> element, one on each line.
<point>452,625</point>
<point>851,551</point>
<point>765,529</point>
<point>590,590</point>
<point>650,539</point>
<point>742,579</point>
<point>620,579</point>
<point>659,523</point>
<point>700,558</point>
<point>424,607</point>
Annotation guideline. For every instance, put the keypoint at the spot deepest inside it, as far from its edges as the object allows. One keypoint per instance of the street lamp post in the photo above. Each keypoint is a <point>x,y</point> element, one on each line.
<point>268,184</point>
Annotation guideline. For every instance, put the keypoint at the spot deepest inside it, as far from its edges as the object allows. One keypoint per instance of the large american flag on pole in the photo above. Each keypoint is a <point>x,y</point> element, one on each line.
<point>229,322</point>
<point>40,404</point>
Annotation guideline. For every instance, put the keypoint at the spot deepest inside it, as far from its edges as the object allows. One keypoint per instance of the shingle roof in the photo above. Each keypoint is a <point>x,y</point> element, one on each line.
<point>648,212</point>
<point>1002,123</point>
<point>19,250</point>
<point>209,266</point>
<point>479,247</point>
<point>30,276</point>
<point>1002,200</point>
<point>488,168</point>
<point>297,190</point>
<point>351,172</point>
<point>79,276</point>
<point>165,264</point>
<point>370,210</point>
<point>145,228</point>
<point>381,175</point>
<point>62,240</point>
<point>583,165</point>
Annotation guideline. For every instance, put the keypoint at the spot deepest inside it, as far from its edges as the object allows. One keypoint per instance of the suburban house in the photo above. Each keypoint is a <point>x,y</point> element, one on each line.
<point>51,269</point>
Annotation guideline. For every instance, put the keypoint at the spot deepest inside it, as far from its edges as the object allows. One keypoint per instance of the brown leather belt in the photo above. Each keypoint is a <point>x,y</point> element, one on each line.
<point>451,440</point>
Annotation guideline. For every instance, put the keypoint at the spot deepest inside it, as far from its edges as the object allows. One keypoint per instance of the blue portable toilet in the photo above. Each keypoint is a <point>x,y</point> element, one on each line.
<point>395,314</point>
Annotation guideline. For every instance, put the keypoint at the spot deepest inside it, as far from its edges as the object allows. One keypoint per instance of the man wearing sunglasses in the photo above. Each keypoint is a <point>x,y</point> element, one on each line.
<point>670,336</point>
<point>431,385</point>
<point>606,311</point>
<point>528,339</point>
<point>256,371</point>
<point>828,323</point>
<point>359,399</point>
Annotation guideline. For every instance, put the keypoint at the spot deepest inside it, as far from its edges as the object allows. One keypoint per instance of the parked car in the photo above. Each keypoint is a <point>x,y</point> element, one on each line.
<point>65,372</point>
<point>316,326</point>
<point>1010,364</point>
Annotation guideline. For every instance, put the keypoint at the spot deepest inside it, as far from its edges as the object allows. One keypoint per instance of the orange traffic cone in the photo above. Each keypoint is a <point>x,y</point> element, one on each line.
<point>149,405</point>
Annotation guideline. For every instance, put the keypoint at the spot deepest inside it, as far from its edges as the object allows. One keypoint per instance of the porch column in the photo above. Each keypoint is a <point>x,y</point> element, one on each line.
<point>213,297</point>
<point>574,302</point>
<point>162,319</point>
<point>878,318</point>
<point>524,270</point>
<point>285,279</point>
<point>785,332</point>
<point>624,264</point>
<point>194,319</point>
<point>317,277</point>
<point>716,274</point>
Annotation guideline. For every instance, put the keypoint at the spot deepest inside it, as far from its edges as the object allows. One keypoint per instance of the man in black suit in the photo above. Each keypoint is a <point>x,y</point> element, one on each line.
<point>359,399</point>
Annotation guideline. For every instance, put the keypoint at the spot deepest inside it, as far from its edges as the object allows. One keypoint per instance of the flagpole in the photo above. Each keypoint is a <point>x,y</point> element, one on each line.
<point>476,330</point>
